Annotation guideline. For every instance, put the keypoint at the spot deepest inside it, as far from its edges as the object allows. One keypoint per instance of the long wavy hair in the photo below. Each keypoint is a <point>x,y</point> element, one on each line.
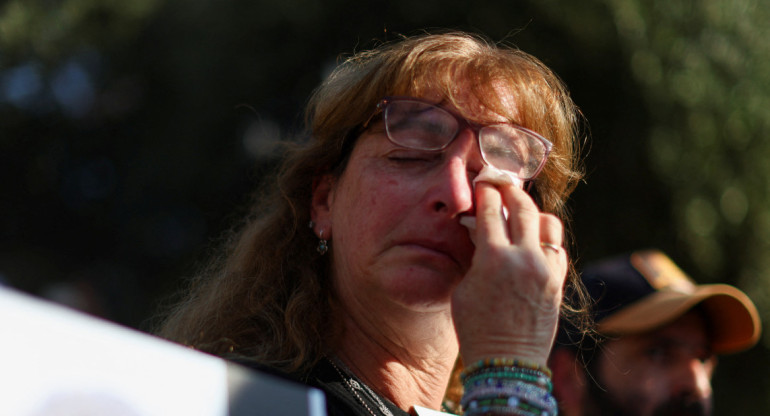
<point>267,294</point>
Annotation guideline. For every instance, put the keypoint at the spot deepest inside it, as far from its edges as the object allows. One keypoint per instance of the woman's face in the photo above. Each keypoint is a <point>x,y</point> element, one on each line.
<point>394,216</point>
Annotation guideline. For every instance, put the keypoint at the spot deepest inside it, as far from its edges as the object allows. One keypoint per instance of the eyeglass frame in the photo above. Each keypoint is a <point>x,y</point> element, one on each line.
<point>463,124</point>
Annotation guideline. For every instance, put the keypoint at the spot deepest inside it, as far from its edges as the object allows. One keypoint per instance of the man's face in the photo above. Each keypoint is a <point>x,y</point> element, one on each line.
<point>662,372</point>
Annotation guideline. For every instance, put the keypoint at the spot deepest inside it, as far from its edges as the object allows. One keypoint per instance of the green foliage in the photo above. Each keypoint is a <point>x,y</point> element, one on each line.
<point>48,30</point>
<point>704,68</point>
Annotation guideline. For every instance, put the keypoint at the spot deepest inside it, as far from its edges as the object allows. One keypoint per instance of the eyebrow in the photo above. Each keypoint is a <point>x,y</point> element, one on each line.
<point>673,340</point>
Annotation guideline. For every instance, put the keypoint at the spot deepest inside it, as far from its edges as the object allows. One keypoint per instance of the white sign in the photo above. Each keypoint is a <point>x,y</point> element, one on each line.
<point>56,361</point>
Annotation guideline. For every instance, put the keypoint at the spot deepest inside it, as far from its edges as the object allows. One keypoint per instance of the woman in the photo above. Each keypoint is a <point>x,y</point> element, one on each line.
<point>375,301</point>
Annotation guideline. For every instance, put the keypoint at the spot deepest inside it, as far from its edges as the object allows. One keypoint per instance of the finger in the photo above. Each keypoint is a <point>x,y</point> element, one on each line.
<point>551,229</point>
<point>490,224</point>
<point>523,216</point>
<point>552,240</point>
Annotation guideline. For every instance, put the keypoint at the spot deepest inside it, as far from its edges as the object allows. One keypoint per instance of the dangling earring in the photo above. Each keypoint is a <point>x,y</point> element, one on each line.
<point>323,247</point>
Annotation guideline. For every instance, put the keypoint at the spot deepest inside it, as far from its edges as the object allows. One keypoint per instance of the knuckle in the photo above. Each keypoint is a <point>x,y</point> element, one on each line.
<point>550,221</point>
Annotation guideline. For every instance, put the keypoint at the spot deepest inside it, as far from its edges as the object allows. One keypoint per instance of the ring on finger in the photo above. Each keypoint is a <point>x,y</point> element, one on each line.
<point>554,247</point>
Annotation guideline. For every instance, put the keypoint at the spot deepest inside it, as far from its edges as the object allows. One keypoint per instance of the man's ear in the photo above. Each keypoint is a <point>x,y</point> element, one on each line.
<point>569,381</point>
<point>321,205</point>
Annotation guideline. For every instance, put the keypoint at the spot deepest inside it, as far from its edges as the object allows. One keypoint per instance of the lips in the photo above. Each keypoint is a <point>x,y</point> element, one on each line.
<point>453,251</point>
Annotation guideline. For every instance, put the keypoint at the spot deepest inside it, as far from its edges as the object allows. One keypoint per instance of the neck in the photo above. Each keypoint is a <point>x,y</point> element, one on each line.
<point>408,361</point>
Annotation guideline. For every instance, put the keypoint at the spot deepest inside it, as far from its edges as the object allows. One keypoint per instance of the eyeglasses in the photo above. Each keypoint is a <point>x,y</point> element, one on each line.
<point>420,125</point>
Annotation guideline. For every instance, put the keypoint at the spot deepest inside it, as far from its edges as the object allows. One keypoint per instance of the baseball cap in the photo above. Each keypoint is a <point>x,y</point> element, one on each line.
<point>644,290</point>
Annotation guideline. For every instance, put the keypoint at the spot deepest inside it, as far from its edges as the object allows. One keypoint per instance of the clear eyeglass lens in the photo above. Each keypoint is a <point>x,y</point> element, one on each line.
<point>508,148</point>
<point>418,125</point>
<point>423,126</point>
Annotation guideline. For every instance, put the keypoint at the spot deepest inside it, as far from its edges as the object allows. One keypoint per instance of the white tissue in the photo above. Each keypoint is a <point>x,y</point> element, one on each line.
<point>496,177</point>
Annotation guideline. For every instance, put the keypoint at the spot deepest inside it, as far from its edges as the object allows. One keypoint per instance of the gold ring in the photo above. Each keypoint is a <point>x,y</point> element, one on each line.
<point>552,246</point>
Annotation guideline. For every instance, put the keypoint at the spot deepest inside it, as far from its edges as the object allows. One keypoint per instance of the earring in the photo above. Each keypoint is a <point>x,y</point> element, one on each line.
<point>311,224</point>
<point>323,247</point>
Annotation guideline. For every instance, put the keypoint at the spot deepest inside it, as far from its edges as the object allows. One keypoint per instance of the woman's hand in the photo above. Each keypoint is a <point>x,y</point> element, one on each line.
<point>508,303</point>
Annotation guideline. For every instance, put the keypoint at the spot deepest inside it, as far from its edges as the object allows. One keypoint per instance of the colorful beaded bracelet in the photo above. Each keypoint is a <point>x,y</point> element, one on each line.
<point>507,386</point>
<point>501,377</point>
<point>505,402</point>
<point>506,362</point>
<point>521,392</point>
<point>504,410</point>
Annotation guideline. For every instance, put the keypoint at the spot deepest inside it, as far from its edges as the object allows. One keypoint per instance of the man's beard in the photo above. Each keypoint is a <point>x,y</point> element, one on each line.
<point>601,403</point>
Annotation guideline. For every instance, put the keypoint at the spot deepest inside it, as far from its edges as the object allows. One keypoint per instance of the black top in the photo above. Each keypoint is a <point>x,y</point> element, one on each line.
<point>339,387</point>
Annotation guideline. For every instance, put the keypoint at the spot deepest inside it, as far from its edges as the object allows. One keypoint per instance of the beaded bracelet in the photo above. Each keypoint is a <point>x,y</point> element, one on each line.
<point>519,392</point>
<point>484,410</point>
<point>507,369</point>
<point>502,410</point>
<point>503,402</point>
<point>531,399</point>
<point>506,362</point>
<point>488,377</point>
<point>507,386</point>
<point>541,381</point>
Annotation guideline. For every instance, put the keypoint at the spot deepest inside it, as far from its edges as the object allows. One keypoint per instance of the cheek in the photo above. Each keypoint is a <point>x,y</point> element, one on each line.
<point>365,209</point>
<point>641,385</point>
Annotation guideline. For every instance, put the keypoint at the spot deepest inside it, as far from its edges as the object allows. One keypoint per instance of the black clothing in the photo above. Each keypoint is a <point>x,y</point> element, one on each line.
<point>340,399</point>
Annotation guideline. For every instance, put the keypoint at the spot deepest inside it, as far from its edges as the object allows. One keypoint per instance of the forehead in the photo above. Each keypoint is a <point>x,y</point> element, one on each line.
<point>688,331</point>
<point>492,103</point>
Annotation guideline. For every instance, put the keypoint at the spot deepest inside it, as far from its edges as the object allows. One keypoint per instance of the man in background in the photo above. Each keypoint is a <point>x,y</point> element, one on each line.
<point>660,334</point>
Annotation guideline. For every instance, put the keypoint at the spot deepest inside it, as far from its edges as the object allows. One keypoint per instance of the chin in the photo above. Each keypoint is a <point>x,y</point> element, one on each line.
<point>430,291</point>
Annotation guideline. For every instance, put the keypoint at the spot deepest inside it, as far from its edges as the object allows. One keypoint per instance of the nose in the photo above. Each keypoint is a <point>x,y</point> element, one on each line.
<point>695,379</point>
<point>452,192</point>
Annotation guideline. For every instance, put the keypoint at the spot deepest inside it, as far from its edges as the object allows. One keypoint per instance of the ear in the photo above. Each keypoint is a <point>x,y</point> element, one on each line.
<point>569,381</point>
<point>321,205</point>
